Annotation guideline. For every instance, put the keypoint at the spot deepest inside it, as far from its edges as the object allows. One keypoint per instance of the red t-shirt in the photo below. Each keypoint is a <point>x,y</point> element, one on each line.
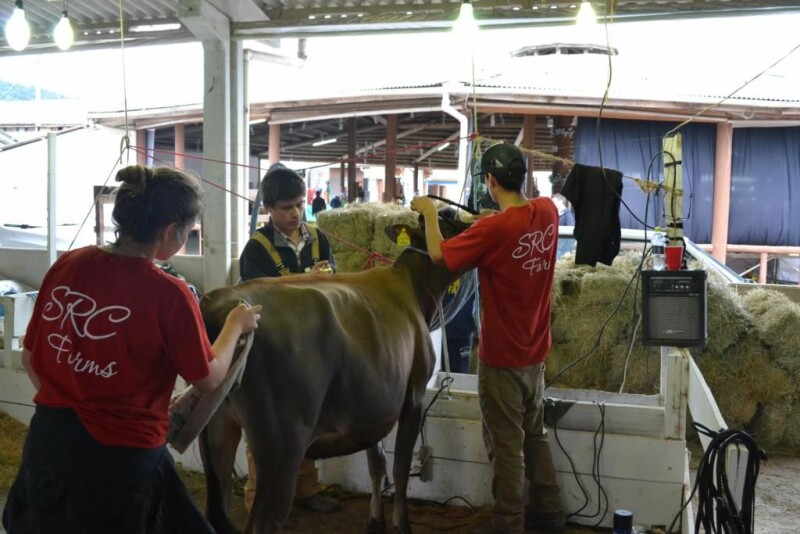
<point>108,336</point>
<point>515,253</point>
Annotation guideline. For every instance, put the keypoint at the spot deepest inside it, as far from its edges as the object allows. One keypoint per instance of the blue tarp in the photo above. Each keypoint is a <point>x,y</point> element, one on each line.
<point>765,176</point>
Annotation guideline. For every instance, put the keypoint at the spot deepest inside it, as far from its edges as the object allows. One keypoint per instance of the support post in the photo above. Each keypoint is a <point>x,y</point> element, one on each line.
<point>528,141</point>
<point>180,147</point>
<point>52,251</point>
<point>390,159</point>
<point>722,191</point>
<point>351,159</point>
<point>274,150</point>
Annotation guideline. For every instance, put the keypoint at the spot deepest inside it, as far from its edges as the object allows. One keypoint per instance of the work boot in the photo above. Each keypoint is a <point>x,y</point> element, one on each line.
<point>545,522</point>
<point>495,526</point>
<point>319,503</point>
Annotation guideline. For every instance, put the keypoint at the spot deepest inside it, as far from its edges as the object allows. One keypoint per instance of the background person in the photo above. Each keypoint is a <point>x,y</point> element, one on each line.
<point>514,251</point>
<point>318,204</point>
<point>287,245</point>
<point>109,334</point>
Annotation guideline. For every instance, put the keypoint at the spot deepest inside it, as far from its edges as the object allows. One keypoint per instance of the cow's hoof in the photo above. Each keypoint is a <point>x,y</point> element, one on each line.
<point>405,528</point>
<point>376,526</point>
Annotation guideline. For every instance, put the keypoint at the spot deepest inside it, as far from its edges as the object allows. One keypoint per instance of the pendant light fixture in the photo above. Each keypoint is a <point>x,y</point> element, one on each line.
<point>18,33</point>
<point>62,33</point>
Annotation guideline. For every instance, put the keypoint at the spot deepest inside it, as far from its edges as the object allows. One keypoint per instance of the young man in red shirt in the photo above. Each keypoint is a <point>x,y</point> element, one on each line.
<point>514,251</point>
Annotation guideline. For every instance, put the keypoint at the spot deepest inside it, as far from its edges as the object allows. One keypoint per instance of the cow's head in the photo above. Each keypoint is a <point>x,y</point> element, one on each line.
<point>449,224</point>
<point>429,279</point>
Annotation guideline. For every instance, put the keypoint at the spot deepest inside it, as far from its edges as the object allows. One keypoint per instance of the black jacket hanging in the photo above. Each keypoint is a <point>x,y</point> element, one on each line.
<point>595,196</point>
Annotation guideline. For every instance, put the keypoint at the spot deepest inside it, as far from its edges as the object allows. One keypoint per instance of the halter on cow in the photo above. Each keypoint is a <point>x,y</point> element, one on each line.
<point>336,362</point>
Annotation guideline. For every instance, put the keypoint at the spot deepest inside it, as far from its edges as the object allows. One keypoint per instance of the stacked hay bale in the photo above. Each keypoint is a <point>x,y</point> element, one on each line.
<point>778,327</point>
<point>751,362</point>
<point>357,230</point>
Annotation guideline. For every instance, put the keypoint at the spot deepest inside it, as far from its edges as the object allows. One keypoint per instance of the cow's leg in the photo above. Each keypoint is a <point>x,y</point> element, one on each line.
<point>218,443</point>
<point>277,458</point>
<point>407,432</point>
<point>376,460</point>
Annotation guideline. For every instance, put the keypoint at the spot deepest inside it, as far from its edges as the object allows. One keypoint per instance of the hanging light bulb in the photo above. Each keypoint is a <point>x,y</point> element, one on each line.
<point>465,26</point>
<point>63,34</point>
<point>586,16</point>
<point>18,33</point>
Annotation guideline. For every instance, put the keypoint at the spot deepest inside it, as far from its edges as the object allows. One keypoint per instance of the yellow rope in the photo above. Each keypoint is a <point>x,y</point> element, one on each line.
<point>647,186</point>
<point>125,143</point>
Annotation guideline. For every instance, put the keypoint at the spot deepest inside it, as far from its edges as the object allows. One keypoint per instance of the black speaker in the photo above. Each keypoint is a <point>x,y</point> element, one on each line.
<point>674,308</point>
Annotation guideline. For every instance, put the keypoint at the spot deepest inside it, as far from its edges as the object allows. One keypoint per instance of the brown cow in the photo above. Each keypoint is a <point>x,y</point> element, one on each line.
<point>336,362</point>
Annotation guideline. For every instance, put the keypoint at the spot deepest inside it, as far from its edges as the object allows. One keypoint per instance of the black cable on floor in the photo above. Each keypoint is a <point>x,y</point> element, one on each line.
<point>717,510</point>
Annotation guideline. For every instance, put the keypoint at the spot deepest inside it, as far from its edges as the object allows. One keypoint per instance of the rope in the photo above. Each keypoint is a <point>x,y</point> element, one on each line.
<point>126,140</point>
<point>645,185</point>
<point>372,255</point>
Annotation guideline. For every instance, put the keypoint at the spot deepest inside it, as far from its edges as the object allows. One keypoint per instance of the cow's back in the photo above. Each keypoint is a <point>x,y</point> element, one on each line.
<point>339,350</point>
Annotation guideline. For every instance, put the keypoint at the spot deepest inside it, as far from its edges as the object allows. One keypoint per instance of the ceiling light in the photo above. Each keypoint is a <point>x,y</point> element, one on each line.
<point>18,33</point>
<point>155,27</point>
<point>62,33</point>
<point>311,17</point>
<point>327,16</point>
<point>586,15</point>
<point>515,8</point>
<point>344,15</point>
<point>465,26</point>
<point>324,142</point>
<point>442,146</point>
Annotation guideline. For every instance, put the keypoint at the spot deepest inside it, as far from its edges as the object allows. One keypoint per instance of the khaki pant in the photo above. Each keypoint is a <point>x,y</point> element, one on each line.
<point>511,402</point>
<point>307,482</point>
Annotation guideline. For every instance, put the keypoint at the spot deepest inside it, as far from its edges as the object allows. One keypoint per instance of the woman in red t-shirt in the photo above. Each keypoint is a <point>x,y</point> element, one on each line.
<point>109,334</point>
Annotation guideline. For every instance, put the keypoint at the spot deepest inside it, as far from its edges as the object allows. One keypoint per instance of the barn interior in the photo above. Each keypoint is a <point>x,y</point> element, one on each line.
<point>424,135</point>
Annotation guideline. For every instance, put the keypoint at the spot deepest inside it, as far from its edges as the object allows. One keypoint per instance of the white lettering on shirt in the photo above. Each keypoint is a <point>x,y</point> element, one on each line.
<point>86,320</point>
<point>533,248</point>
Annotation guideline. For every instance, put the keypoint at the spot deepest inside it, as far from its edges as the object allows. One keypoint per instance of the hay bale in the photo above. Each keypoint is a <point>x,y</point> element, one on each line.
<point>792,438</point>
<point>353,224</point>
<point>350,261</point>
<point>643,374</point>
<point>727,318</point>
<point>770,427</point>
<point>777,320</point>
<point>730,379</point>
<point>587,298</point>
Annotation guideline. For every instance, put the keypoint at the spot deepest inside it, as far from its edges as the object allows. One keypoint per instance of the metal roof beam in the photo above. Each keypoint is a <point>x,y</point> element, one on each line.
<point>204,20</point>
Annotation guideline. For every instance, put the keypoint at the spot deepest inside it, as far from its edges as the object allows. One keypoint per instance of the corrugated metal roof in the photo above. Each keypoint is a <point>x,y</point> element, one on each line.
<point>97,22</point>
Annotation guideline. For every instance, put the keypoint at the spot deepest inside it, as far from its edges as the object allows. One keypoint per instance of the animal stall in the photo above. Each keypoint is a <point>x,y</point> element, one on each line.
<point>632,446</point>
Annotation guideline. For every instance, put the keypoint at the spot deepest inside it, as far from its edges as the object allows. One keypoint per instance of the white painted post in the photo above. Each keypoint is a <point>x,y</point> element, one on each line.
<point>675,392</point>
<point>212,27</point>
<point>52,252</point>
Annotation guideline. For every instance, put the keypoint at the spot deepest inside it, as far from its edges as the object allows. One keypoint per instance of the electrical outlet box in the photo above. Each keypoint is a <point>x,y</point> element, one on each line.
<point>426,463</point>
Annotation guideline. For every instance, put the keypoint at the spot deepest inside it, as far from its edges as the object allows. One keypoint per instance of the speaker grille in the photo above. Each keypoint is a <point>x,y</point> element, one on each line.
<point>678,317</point>
<point>674,308</point>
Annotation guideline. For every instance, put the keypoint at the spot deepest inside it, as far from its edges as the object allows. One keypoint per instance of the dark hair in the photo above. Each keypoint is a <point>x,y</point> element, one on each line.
<point>150,199</point>
<point>281,183</point>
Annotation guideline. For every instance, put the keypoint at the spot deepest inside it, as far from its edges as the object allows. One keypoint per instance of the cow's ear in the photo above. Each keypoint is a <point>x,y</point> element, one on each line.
<point>399,233</point>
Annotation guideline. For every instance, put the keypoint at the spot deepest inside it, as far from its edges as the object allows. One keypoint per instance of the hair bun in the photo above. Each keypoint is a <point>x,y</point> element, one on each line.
<point>135,176</point>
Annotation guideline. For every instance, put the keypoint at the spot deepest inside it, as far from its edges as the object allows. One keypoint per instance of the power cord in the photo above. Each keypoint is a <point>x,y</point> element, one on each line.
<point>602,496</point>
<point>718,511</point>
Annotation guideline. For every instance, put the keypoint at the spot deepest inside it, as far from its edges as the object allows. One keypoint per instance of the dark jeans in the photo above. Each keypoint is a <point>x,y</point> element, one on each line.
<point>69,483</point>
